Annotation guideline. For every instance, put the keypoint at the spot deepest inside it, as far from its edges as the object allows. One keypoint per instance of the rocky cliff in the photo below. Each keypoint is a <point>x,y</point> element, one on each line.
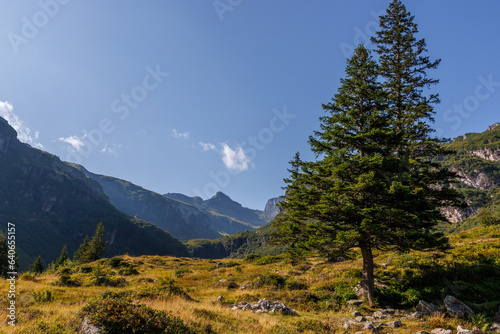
<point>477,163</point>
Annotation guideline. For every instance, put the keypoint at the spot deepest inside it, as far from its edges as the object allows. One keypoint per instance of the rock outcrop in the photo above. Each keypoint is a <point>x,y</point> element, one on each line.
<point>265,306</point>
<point>456,308</point>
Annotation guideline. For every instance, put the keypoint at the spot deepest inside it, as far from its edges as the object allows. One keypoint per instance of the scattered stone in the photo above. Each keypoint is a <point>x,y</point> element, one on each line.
<point>441,331</point>
<point>399,313</point>
<point>329,303</point>
<point>456,307</point>
<point>379,315</point>
<point>369,325</point>
<point>461,330</point>
<point>355,302</point>
<point>476,330</point>
<point>244,287</point>
<point>416,315</point>
<point>360,291</point>
<point>360,318</point>
<point>220,299</point>
<point>89,328</point>
<point>422,332</point>
<point>395,324</point>
<point>356,314</point>
<point>495,328</point>
<point>390,311</point>
<point>221,264</point>
<point>223,280</point>
<point>265,306</point>
<point>426,308</point>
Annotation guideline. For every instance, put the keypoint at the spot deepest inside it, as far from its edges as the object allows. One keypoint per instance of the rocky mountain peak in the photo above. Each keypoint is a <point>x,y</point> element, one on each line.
<point>7,136</point>
<point>492,126</point>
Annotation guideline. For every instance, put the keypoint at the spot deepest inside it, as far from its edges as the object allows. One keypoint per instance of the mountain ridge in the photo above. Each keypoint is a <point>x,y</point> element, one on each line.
<point>53,204</point>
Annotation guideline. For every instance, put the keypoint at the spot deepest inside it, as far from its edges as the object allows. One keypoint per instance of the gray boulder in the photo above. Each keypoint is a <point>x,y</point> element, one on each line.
<point>88,328</point>
<point>441,331</point>
<point>426,308</point>
<point>494,328</point>
<point>457,308</point>
<point>461,330</point>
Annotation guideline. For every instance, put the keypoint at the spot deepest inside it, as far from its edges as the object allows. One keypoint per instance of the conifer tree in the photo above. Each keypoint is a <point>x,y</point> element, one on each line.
<point>63,257</point>
<point>37,267</point>
<point>403,67</point>
<point>4,264</point>
<point>98,245</point>
<point>81,252</point>
<point>373,184</point>
<point>92,249</point>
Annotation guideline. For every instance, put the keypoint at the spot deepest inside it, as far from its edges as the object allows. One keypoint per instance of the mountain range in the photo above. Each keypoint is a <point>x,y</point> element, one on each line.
<point>53,203</point>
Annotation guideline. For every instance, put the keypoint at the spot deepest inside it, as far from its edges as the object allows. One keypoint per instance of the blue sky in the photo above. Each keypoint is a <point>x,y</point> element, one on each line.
<point>204,96</point>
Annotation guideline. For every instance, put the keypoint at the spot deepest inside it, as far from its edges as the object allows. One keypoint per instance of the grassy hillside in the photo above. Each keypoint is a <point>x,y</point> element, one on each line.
<point>181,293</point>
<point>237,245</point>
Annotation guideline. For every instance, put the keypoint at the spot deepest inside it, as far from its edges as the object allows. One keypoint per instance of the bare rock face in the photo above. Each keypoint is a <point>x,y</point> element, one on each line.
<point>457,308</point>
<point>487,154</point>
<point>477,179</point>
<point>455,215</point>
<point>7,136</point>
<point>492,126</point>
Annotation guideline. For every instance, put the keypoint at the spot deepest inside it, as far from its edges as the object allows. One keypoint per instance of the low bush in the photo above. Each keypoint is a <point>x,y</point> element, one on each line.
<point>117,314</point>
<point>67,280</point>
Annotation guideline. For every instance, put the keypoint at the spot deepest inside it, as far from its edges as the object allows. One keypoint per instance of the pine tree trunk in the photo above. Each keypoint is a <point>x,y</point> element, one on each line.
<point>368,281</point>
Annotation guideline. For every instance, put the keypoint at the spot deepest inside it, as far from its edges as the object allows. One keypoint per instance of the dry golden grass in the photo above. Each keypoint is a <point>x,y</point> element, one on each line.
<point>202,282</point>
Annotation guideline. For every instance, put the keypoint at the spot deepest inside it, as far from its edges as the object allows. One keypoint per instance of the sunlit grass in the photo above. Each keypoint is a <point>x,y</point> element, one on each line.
<point>316,289</point>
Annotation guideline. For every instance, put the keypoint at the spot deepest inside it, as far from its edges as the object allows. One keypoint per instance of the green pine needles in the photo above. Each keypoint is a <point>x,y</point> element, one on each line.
<point>373,184</point>
<point>91,249</point>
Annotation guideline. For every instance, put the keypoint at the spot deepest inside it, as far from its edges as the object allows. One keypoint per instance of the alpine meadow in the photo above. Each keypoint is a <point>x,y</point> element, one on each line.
<point>379,223</point>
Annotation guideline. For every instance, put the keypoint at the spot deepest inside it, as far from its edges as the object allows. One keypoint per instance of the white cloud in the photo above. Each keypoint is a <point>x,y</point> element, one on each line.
<point>107,149</point>
<point>75,141</point>
<point>207,146</point>
<point>177,134</point>
<point>235,159</point>
<point>23,132</point>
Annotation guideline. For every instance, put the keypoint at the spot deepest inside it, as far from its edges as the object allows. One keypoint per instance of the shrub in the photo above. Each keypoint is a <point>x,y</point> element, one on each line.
<point>271,280</point>
<point>42,296</point>
<point>107,281</point>
<point>85,269</point>
<point>115,262</point>
<point>66,280</point>
<point>293,284</point>
<point>117,314</point>
<point>64,271</point>
<point>181,271</point>
<point>128,271</point>
<point>28,276</point>
<point>268,259</point>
